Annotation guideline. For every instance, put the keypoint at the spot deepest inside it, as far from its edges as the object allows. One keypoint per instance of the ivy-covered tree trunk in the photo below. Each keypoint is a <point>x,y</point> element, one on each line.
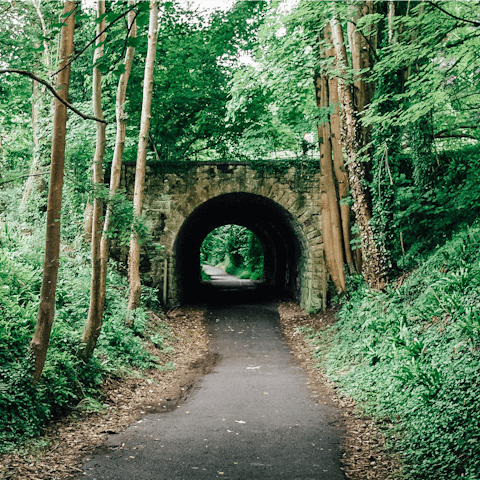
<point>386,140</point>
<point>374,261</point>
<point>420,135</point>
<point>95,310</point>
<point>135,286</point>
<point>41,337</point>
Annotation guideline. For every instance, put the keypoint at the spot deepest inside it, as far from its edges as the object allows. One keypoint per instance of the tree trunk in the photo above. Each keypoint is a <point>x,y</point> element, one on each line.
<point>37,111</point>
<point>91,333</point>
<point>340,171</point>
<point>31,180</point>
<point>331,224</point>
<point>421,138</point>
<point>361,49</point>
<point>88,219</point>
<point>135,287</point>
<point>331,217</point>
<point>41,337</point>
<point>391,17</point>
<point>341,174</point>
<point>374,263</point>
<point>95,311</point>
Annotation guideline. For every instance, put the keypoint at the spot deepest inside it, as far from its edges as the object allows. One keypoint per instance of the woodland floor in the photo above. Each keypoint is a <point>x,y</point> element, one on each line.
<point>67,442</point>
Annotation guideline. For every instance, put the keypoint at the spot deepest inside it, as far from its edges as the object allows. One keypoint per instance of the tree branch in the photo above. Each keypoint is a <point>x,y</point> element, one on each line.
<point>128,36</point>
<point>463,40</point>
<point>473,22</point>
<point>6,9</point>
<point>26,73</point>
<point>24,176</point>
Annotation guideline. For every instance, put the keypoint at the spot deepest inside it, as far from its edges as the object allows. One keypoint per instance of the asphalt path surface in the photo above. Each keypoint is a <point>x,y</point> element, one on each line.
<point>253,417</point>
<point>222,281</point>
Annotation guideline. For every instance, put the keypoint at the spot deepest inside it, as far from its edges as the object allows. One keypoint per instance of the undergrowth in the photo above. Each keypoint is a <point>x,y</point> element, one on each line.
<point>25,407</point>
<point>410,356</point>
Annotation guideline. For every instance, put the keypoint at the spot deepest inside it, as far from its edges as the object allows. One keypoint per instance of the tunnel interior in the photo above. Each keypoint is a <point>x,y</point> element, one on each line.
<point>277,230</point>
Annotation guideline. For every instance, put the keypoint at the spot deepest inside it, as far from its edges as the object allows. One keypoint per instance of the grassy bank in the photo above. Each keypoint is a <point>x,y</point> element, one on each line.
<point>410,358</point>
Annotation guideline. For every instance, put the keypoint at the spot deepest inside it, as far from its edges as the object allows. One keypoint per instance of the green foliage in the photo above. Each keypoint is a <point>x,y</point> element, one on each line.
<point>278,89</point>
<point>410,356</point>
<point>428,218</point>
<point>235,249</point>
<point>424,126</point>
<point>67,381</point>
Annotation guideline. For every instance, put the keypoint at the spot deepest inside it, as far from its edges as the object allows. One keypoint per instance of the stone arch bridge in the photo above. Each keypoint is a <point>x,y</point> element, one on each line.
<point>278,201</point>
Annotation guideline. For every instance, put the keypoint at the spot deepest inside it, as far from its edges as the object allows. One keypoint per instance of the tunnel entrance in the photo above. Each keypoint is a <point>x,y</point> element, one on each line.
<point>283,244</point>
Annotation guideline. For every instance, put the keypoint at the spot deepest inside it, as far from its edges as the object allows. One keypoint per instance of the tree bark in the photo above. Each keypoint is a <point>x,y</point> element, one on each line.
<point>334,183</point>
<point>95,310</point>
<point>88,219</point>
<point>361,49</point>
<point>374,262</point>
<point>135,287</point>
<point>41,337</point>
<point>391,18</point>
<point>116,168</point>
<point>91,333</point>
<point>340,171</point>
<point>331,230</point>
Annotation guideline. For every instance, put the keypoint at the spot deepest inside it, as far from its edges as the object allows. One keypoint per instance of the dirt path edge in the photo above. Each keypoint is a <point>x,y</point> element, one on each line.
<point>59,453</point>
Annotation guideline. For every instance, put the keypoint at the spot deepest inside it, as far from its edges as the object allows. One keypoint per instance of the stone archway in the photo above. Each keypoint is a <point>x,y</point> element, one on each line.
<point>285,250</point>
<point>279,202</point>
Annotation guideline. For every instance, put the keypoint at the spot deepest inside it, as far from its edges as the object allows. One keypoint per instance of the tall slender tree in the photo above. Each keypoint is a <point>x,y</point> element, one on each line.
<point>135,287</point>
<point>94,322</point>
<point>41,337</point>
<point>38,109</point>
<point>95,310</point>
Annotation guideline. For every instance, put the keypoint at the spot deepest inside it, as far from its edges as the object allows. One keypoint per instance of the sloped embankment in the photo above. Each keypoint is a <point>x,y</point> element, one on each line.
<point>410,358</point>
<point>59,452</point>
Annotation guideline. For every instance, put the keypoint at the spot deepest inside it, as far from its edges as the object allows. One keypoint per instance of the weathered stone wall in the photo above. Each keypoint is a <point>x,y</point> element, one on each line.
<point>173,192</point>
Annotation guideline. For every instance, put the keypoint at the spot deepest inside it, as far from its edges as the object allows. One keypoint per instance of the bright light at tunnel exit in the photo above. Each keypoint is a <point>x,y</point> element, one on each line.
<point>234,249</point>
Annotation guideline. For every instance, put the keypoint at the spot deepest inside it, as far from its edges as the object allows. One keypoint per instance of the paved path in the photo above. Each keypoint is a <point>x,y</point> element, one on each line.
<point>222,280</point>
<point>252,418</point>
